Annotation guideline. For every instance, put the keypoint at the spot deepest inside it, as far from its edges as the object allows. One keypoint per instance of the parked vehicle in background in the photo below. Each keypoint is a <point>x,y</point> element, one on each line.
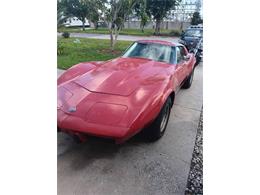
<point>75,22</point>
<point>198,51</point>
<point>192,38</point>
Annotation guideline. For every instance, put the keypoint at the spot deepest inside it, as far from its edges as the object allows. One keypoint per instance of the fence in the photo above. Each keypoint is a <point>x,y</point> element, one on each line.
<point>176,25</point>
<point>164,25</point>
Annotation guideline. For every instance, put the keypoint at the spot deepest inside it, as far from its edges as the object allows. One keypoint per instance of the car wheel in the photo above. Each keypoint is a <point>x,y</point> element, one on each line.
<point>76,139</point>
<point>157,129</point>
<point>198,58</point>
<point>188,81</point>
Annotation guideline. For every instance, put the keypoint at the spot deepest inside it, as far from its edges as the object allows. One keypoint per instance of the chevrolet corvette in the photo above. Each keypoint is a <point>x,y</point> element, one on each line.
<point>118,98</point>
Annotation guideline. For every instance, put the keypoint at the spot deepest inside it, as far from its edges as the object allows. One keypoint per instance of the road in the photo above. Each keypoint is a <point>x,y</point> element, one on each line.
<point>121,37</point>
<point>136,167</point>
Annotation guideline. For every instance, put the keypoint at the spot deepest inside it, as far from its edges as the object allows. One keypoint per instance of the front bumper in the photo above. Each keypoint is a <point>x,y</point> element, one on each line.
<point>75,125</point>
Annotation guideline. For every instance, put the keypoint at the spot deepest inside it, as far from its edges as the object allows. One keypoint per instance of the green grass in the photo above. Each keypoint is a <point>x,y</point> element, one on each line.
<point>136,32</point>
<point>87,50</point>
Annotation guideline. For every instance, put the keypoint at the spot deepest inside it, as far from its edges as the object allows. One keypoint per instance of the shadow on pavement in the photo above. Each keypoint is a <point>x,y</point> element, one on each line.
<point>94,148</point>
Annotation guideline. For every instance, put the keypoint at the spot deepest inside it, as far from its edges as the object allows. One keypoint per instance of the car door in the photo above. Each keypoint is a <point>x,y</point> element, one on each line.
<point>187,58</point>
<point>181,67</point>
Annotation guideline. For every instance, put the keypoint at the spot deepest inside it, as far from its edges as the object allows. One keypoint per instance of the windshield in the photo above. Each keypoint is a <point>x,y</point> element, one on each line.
<point>153,51</point>
<point>193,33</point>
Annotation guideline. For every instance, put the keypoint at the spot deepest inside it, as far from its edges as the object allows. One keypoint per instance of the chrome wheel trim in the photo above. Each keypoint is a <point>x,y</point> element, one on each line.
<point>191,77</point>
<point>164,119</point>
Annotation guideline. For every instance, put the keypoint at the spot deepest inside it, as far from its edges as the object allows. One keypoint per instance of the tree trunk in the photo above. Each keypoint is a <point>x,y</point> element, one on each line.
<point>111,39</point>
<point>116,35</point>
<point>157,27</point>
<point>96,25</point>
<point>142,28</point>
<point>113,45</point>
<point>83,24</point>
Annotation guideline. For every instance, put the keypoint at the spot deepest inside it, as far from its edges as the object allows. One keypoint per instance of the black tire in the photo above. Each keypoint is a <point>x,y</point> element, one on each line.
<point>198,59</point>
<point>76,139</point>
<point>157,129</point>
<point>188,81</point>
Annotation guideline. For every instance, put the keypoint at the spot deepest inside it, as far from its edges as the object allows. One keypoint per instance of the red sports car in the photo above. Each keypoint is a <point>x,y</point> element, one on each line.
<point>120,97</point>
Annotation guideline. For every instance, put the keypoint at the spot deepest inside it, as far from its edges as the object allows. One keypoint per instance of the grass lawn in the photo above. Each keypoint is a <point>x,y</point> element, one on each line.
<point>87,50</point>
<point>137,32</point>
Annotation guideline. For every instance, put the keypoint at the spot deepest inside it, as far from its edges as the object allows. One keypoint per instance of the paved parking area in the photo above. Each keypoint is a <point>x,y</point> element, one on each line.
<point>136,167</point>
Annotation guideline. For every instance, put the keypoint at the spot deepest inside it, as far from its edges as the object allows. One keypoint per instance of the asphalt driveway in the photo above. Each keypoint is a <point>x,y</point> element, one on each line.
<point>136,167</point>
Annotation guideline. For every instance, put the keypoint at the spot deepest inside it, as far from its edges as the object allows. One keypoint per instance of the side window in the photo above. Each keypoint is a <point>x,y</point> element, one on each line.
<point>180,54</point>
<point>183,52</point>
<point>173,55</point>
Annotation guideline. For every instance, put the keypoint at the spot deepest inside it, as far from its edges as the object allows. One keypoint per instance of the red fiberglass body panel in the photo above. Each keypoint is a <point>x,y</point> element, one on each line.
<point>116,98</point>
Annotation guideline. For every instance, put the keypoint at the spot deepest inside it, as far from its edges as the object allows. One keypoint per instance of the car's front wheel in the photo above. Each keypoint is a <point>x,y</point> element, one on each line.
<point>157,129</point>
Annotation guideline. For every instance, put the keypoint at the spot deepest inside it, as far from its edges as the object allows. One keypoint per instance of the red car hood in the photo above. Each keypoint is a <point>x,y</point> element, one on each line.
<point>122,76</point>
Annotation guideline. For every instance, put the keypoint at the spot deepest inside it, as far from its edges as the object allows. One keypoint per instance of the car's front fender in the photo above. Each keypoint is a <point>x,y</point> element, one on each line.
<point>77,70</point>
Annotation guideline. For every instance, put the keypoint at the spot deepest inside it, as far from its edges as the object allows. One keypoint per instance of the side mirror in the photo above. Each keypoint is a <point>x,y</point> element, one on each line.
<point>192,50</point>
<point>187,57</point>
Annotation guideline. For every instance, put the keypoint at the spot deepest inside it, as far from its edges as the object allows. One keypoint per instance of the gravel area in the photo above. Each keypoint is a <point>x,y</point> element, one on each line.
<point>195,179</point>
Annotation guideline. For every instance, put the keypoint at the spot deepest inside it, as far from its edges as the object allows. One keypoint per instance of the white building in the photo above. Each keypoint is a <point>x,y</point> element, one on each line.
<point>185,10</point>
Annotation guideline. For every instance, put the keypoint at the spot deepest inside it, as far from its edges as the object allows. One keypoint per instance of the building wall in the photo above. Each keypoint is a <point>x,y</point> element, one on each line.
<point>165,25</point>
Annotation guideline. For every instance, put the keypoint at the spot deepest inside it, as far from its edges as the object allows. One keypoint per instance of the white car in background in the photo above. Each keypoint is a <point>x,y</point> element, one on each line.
<point>74,22</point>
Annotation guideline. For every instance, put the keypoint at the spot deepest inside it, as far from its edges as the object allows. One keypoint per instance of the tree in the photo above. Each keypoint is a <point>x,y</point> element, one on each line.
<point>94,17</point>
<point>144,20</point>
<point>95,8</point>
<point>115,14</point>
<point>76,8</point>
<point>196,19</point>
<point>141,12</point>
<point>61,18</point>
<point>159,9</point>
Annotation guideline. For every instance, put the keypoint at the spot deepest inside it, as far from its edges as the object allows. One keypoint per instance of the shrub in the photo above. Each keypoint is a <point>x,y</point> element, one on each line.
<point>66,34</point>
<point>175,33</point>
